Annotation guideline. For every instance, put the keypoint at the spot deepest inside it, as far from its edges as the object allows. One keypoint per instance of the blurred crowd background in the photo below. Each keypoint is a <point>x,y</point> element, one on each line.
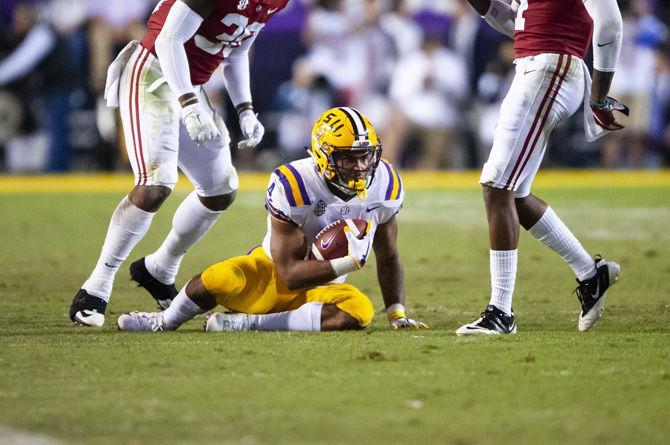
<point>430,74</point>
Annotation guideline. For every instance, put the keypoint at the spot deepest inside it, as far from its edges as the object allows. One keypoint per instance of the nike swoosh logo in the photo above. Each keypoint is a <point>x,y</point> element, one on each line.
<point>270,11</point>
<point>600,45</point>
<point>110,265</point>
<point>370,209</point>
<point>528,72</point>
<point>326,243</point>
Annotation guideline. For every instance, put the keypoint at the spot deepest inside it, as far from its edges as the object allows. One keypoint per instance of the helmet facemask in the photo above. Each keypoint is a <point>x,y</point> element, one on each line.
<point>353,168</point>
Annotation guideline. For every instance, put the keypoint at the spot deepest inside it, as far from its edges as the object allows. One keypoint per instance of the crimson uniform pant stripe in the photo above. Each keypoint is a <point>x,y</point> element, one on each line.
<point>144,54</point>
<point>546,117</point>
<point>535,121</point>
<point>133,111</point>
<point>130,108</point>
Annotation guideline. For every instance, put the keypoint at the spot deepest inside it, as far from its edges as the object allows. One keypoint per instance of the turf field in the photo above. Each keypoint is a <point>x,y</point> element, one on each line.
<point>548,384</point>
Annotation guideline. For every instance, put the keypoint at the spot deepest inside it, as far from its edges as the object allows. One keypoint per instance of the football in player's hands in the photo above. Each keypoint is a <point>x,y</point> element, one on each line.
<point>331,242</point>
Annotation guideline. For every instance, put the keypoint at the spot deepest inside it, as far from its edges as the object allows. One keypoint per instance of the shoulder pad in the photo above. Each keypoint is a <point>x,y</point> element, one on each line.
<point>294,186</point>
<point>394,187</point>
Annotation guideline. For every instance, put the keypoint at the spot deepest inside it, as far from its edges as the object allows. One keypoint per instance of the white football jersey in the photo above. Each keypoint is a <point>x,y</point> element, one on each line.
<point>298,194</point>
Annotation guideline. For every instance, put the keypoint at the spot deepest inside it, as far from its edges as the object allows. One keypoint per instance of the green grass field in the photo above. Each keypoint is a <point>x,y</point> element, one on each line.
<point>548,384</point>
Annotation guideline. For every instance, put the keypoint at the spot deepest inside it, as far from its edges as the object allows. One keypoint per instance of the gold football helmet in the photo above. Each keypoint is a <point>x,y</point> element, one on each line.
<point>346,149</point>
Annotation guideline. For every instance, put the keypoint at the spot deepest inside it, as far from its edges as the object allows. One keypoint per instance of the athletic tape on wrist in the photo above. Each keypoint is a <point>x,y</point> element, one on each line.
<point>395,311</point>
<point>344,265</point>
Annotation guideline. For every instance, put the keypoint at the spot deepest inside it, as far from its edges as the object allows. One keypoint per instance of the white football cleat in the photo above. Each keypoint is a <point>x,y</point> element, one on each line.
<point>141,322</point>
<point>87,317</point>
<point>591,293</point>
<point>220,322</point>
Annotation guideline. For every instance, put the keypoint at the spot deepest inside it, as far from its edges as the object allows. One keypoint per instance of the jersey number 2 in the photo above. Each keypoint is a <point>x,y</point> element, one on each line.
<point>520,22</point>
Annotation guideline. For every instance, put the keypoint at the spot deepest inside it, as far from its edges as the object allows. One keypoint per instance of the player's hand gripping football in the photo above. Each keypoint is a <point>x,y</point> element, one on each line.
<point>398,319</point>
<point>199,124</point>
<point>604,113</point>
<point>359,246</point>
<point>252,130</point>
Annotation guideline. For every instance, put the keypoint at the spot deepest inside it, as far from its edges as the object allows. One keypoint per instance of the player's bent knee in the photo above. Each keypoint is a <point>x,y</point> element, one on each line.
<point>497,196</point>
<point>149,197</point>
<point>223,280</point>
<point>198,293</point>
<point>366,313</point>
<point>360,308</point>
<point>218,203</point>
<point>335,319</point>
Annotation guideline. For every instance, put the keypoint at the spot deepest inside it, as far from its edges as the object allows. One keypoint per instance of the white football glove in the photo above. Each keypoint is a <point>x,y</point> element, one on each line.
<point>199,124</point>
<point>398,319</point>
<point>252,130</point>
<point>359,249</point>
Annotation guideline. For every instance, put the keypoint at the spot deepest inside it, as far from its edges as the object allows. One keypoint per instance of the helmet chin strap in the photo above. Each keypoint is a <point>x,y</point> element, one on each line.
<point>360,186</point>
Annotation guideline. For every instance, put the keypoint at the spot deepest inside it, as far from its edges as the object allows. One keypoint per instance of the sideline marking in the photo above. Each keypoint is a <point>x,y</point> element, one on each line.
<point>462,180</point>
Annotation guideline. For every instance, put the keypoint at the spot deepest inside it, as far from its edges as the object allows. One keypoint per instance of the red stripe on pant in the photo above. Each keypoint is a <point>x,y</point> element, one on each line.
<point>544,120</point>
<point>535,121</point>
<point>135,115</point>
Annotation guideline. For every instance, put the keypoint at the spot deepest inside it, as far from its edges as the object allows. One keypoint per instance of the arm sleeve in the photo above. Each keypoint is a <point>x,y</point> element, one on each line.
<point>181,24</point>
<point>236,73</point>
<point>32,50</point>
<point>607,33</point>
<point>501,16</point>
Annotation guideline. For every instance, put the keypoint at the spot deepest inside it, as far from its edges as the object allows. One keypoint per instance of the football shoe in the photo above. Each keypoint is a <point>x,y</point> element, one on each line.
<point>220,322</point>
<point>591,292</point>
<point>141,322</point>
<point>492,322</point>
<point>162,293</point>
<point>87,310</point>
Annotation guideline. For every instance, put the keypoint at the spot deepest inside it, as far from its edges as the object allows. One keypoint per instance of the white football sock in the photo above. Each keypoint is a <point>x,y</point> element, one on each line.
<point>126,228</point>
<point>191,221</point>
<point>306,318</point>
<point>503,276</point>
<point>553,233</point>
<point>180,311</point>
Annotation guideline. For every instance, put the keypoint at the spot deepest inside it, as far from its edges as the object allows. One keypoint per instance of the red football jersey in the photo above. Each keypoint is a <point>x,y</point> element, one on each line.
<point>552,26</point>
<point>231,23</point>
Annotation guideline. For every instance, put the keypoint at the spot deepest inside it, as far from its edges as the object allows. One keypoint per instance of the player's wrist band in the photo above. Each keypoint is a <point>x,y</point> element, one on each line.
<point>600,105</point>
<point>344,265</point>
<point>395,311</point>
<point>244,106</point>
<point>189,101</point>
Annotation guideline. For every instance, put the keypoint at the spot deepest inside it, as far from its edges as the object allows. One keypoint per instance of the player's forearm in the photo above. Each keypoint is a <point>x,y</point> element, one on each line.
<point>391,279</point>
<point>601,86</point>
<point>236,74</point>
<point>301,274</point>
<point>181,24</point>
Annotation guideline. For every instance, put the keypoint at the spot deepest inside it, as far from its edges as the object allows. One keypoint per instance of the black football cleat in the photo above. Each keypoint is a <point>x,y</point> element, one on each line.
<point>87,310</point>
<point>591,292</point>
<point>492,322</point>
<point>162,293</point>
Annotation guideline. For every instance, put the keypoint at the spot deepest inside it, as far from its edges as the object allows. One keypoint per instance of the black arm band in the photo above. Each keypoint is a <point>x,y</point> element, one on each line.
<point>243,107</point>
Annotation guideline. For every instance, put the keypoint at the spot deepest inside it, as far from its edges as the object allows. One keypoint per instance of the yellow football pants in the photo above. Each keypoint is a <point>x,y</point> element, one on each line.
<point>250,284</point>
